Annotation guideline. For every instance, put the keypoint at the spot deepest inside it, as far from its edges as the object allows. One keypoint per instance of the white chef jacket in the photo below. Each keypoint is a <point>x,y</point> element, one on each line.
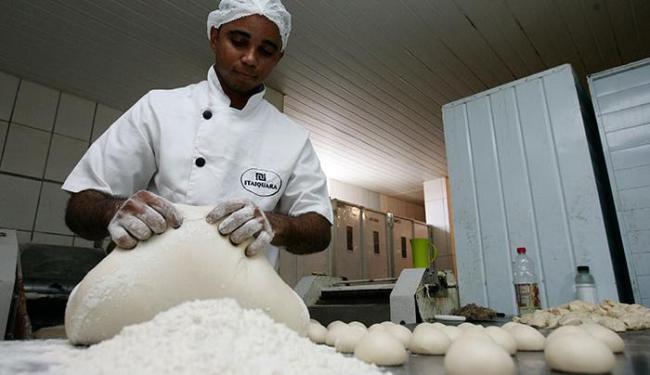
<point>189,146</point>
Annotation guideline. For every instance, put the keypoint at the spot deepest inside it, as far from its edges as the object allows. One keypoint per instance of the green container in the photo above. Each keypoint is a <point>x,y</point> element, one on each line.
<point>424,252</point>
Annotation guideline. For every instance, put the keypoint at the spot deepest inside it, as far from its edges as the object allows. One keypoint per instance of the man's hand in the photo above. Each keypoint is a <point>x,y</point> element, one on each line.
<point>143,214</point>
<point>242,220</point>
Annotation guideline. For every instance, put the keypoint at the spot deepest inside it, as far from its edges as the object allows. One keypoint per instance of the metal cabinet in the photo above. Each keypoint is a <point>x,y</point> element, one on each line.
<point>375,244</point>
<point>621,99</point>
<point>521,175</point>
<point>347,241</point>
<point>402,232</point>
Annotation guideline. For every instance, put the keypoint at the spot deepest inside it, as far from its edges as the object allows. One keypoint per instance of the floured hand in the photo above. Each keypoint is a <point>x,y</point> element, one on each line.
<point>243,220</point>
<point>140,216</point>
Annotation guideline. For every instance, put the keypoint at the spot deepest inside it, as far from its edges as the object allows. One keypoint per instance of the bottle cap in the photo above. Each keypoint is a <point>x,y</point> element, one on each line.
<point>521,250</point>
<point>583,268</point>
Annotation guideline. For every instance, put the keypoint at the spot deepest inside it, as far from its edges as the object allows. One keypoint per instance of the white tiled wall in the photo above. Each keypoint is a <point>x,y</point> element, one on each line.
<point>43,133</point>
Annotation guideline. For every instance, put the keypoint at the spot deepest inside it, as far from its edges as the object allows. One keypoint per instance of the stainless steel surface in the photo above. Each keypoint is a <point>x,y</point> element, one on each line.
<point>635,360</point>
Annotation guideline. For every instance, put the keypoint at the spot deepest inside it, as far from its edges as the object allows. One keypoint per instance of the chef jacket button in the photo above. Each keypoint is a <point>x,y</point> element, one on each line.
<point>199,162</point>
<point>207,114</point>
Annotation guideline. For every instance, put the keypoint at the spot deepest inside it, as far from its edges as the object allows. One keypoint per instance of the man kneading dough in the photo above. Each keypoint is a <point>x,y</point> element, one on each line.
<point>216,143</point>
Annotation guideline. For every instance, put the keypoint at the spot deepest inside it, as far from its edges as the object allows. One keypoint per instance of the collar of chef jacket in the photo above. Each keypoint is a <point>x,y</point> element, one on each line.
<point>218,99</point>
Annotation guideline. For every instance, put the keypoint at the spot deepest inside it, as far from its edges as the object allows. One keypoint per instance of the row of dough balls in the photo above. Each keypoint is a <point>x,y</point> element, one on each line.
<point>471,349</point>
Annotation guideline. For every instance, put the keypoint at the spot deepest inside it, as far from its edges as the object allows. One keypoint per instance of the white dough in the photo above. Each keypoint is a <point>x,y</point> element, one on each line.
<point>429,340</point>
<point>381,348</point>
<point>469,356</point>
<point>503,338</point>
<point>335,323</point>
<point>348,338</point>
<point>316,333</point>
<point>358,324</point>
<point>467,325</point>
<point>581,353</point>
<point>564,330</point>
<point>377,327</point>
<point>606,335</point>
<point>423,325</point>
<point>402,333</point>
<point>528,338</point>
<point>193,262</point>
<point>453,332</point>
<point>334,333</point>
<point>508,326</point>
<point>438,325</point>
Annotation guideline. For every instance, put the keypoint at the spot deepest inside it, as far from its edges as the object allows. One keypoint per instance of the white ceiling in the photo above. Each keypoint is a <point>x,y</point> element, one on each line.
<point>366,77</point>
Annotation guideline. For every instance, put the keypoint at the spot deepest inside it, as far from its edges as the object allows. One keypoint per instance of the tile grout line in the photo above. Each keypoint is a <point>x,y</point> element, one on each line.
<point>47,155</point>
<point>11,116</point>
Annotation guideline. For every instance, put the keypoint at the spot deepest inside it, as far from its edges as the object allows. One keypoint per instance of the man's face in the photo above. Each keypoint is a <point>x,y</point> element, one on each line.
<point>246,51</point>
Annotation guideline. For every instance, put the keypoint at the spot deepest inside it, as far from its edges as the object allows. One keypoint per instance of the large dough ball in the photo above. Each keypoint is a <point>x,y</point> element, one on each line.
<point>193,262</point>
<point>381,348</point>
<point>402,333</point>
<point>471,355</point>
<point>503,338</point>
<point>429,340</point>
<point>316,333</point>
<point>335,324</point>
<point>564,330</point>
<point>453,332</point>
<point>607,336</point>
<point>358,325</point>
<point>348,338</point>
<point>528,338</point>
<point>581,353</point>
<point>334,333</point>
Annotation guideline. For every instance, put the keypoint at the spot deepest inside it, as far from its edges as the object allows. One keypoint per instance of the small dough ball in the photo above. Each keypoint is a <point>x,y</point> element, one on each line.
<point>381,348</point>
<point>438,325</point>
<point>474,329</point>
<point>316,333</point>
<point>428,340</point>
<point>334,333</point>
<point>402,333</point>
<point>453,332</point>
<point>314,321</point>
<point>503,338</point>
<point>579,354</point>
<point>348,338</point>
<point>334,324</point>
<point>528,338</point>
<point>469,356</point>
<point>377,327</point>
<point>564,330</point>
<point>607,336</point>
<point>423,325</point>
<point>508,326</point>
<point>467,325</point>
<point>358,325</point>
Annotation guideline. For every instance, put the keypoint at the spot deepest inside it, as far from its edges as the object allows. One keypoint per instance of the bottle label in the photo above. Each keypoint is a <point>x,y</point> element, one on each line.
<point>527,298</point>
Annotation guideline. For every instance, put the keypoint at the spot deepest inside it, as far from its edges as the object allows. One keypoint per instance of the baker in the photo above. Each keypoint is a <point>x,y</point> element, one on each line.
<point>217,142</point>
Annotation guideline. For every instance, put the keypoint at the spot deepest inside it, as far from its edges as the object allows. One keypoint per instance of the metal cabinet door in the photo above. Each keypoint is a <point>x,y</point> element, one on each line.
<point>402,234</point>
<point>375,249</point>
<point>348,257</point>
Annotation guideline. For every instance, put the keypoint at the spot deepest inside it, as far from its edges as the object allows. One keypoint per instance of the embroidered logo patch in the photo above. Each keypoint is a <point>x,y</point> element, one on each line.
<point>261,182</point>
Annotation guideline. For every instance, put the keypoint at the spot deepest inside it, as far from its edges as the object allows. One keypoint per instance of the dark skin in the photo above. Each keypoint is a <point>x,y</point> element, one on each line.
<point>246,51</point>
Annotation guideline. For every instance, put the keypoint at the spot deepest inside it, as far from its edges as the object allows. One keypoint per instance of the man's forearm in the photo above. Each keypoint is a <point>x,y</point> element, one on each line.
<point>304,234</point>
<point>89,212</point>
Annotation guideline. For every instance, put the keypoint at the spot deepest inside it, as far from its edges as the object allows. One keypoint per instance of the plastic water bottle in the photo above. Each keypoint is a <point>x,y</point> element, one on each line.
<point>525,281</point>
<point>586,286</point>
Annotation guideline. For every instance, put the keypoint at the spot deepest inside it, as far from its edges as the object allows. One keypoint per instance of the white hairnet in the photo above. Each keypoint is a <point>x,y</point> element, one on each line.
<point>230,10</point>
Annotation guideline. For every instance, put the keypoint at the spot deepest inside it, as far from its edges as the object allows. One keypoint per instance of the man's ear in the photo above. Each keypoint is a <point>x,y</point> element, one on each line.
<point>214,37</point>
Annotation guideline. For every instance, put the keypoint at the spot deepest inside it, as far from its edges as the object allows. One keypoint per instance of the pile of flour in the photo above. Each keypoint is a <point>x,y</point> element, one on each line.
<point>212,337</point>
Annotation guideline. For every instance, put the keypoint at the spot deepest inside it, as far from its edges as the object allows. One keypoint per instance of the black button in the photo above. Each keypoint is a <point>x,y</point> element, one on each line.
<point>207,114</point>
<point>199,162</point>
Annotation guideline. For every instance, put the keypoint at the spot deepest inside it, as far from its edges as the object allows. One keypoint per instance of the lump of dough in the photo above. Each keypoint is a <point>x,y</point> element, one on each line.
<point>316,333</point>
<point>334,333</point>
<point>564,330</point>
<point>193,262</point>
<point>358,324</point>
<point>429,340</point>
<point>400,332</point>
<point>607,336</point>
<point>377,327</point>
<point>503,338</point>
<point>453,332</point>
<point>528,338</point>
<point>581,353</point>
<point>348,338</point>
<point>381,348</point>
<point>423,325</point>
<point>474,355</point>
<point>334,324</point>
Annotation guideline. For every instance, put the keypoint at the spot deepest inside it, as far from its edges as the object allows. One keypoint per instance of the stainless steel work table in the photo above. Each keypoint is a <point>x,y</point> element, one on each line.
<point>41,357</point>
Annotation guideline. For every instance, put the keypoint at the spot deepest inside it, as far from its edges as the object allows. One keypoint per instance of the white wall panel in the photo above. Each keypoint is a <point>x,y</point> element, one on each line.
<point>621,98</point>
<point>521,175</point>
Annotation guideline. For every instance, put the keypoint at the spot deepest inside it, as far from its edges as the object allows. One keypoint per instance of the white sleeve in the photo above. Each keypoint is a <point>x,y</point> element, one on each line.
<point>307,187</point>
<point>121,161</point>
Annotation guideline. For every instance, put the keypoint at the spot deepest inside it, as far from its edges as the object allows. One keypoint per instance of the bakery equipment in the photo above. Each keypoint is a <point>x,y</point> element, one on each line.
<point>417,295</point>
